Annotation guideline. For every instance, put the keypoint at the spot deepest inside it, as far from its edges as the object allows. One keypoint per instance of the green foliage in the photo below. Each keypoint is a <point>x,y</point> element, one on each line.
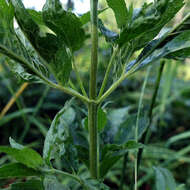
<point>66,25</point>
<point>94,185</point>
<point>50,183</point>
<point>102,120</point>
<point>43,48</point>
<point>85,18</point>
<point>165,180</point>
<point>110,36</point>
<point>111,153</point>
<point>58,133</point>
<point>49,46</point>
<point>13,48</point>
<point>120,11</point>
<point>26,156</point>
<point>17,170</point>
<point>180,42</point>
<point>29,185</point>
<point>151,18</point>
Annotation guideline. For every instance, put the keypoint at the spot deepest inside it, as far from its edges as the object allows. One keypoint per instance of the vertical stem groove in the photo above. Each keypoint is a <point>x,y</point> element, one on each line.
<point>92,108</point>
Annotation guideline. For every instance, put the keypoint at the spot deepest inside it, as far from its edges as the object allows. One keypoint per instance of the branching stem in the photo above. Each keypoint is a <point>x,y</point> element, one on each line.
<point>115,51</point>
<point>79,79</point>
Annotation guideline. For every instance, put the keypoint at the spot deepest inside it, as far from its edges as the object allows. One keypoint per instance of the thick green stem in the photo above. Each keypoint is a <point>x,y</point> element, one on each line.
<point>92,108</point>
<point>93,132</point>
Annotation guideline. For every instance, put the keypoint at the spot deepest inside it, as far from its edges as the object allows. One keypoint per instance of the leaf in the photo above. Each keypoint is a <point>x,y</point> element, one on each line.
<point>164,179</point>
<point>58,133</point>
<point>110,36</point>
<point>120,10</point>
<point>93,184</point>
<point>166,35</point>
<point>17,170</point>
<point>65,24</point>
<point>47,44</point>
<point>28,185</point>
<point>151,18</point>
<point>126,131</point>
<point>61,65</point>
<point>26,156</point>
<point>15,145</point>
<point>102,119</point>
<point>20,72</point>
<point>115,118</point>
<point>180,42</point>
<point>11,46</point>
<point>179,137</point>
<point>160,180</point>
<point>111,153</point>
<point>85,18</point>
<point>51,183</point>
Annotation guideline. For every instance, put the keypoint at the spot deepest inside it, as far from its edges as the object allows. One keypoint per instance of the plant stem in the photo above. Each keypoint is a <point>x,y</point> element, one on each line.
<point>115,51</point>
<point>137,124</point>
<point>92,108</point>
<point>55,171</point>
<point>13,99</point>
<point>123,171</point>
<point>79,80</point>
<point>118,82</point>
<point>93,132</point>
<point>146,135</point>
<point>112,88</point>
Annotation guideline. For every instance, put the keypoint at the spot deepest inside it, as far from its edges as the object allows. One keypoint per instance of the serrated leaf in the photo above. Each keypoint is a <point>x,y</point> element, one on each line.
<point>26,156</point>
<point>58,133</point>
<point>120,10</point>
<point>17,170</point>
<point>110,36</point>
<point>151,18</point>
<point>28,185</point>
<point>65,24</point>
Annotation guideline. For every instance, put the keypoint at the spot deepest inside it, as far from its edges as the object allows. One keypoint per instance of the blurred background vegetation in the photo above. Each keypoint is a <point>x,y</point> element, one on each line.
<point>29,117</point>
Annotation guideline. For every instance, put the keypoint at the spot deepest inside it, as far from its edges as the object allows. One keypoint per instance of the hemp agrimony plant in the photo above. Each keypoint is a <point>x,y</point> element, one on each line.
<point>42,49</point>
